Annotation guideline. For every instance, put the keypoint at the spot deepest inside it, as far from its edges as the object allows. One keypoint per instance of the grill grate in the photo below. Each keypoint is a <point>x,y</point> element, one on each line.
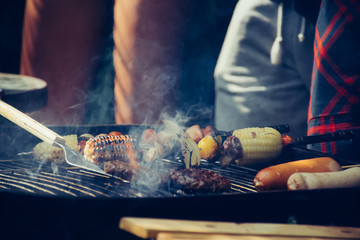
<point>26,175</point>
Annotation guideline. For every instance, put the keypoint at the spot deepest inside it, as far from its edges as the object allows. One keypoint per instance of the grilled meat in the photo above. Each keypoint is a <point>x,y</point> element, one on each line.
<point>142,176</point>
<point>199,180</point>
<point>120,169</point>
<point>275,177</point>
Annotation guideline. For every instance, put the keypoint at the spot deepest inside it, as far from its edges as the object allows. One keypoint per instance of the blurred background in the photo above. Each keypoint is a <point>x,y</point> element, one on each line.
<point>206,25</point>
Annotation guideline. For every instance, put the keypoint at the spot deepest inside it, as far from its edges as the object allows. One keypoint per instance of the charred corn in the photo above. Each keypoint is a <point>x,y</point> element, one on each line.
<point>257,145</point>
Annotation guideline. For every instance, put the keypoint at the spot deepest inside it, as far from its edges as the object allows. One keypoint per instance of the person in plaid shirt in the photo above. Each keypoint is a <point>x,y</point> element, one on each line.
<point>335,90</point>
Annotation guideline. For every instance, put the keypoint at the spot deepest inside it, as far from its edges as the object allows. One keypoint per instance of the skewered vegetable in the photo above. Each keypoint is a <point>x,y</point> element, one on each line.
<point>148,136</point>
<point>286,140</point>
<point>250,146</point>
<point>189,149</point>
<point>209,130</point>
<point>194,133</point>
<point>209,148</point>
<point>209,142</point>
<point>230,151</point>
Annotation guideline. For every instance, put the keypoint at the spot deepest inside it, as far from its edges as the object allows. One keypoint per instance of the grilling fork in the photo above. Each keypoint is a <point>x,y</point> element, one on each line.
<point>72,157</point>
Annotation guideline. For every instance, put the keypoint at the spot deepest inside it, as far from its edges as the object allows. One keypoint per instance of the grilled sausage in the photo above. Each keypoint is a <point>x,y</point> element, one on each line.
<point>341,179</point>
<point>276,177</point>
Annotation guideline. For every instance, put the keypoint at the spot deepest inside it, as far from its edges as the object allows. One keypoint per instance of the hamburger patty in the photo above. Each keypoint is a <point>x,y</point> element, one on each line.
<point>199,180</point>
<point>120,169</point>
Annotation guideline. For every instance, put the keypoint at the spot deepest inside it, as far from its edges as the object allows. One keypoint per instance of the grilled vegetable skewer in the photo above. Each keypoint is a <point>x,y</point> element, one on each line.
<point>226,145</point>
<point>209,148</point>
<point>250,146</point>
<point>189,149</point>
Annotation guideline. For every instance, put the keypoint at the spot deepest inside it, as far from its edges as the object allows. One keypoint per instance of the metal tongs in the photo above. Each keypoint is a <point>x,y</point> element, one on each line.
<point>72,157</point>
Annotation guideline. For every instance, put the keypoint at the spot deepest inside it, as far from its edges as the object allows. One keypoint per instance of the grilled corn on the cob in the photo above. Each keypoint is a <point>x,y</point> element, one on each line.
<point>257,145</point>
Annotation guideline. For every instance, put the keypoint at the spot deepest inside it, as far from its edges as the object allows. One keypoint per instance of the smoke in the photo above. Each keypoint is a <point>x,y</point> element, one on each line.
<point>164,153</point>
<point>100,99</point>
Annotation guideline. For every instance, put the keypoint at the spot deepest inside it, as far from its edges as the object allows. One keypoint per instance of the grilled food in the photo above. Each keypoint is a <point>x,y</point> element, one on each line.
<point>276,177</point>
<point>194,133</point>
<point>110,148</point>
<point>189,150</point>
<point>209,130</point>
<point>120,169</point>
<point>340,179</point>
<point>199,180</point>
<point>209,148</point>
<point>48,153</point>
<point>148,136</point>
<point>250,146</point>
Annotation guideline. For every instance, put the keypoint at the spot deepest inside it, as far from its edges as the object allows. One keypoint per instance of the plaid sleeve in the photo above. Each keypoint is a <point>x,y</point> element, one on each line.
<point>335,91</point>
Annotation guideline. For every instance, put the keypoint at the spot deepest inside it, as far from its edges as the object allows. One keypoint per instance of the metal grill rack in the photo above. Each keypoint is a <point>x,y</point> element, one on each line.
<point>33,177</point>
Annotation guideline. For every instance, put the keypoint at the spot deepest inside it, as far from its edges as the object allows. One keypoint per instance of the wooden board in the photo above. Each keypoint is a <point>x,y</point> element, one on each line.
<point>203,236</point>
<point>151,227</point>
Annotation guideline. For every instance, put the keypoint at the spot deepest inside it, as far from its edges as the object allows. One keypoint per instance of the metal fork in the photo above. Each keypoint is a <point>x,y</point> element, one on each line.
<point>72,157</point>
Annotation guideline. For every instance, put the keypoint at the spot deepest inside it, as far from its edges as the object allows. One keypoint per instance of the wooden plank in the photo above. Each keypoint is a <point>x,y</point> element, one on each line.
<point>204,236</point>
<point>150,227</point>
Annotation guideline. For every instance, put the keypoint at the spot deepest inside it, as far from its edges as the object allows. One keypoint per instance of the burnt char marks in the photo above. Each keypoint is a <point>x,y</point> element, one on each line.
<point>109,148</point>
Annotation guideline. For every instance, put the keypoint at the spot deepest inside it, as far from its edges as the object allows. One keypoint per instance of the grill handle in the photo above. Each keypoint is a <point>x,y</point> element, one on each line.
<point>327,137</point>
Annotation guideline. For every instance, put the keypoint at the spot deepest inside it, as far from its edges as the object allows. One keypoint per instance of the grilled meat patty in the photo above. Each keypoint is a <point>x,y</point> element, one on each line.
<point>199,180</point>
<point>140,175</point>
<point>120,169</point>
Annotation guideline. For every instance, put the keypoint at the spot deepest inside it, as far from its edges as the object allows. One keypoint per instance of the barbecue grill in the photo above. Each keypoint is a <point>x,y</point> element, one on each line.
<point>43,200</point>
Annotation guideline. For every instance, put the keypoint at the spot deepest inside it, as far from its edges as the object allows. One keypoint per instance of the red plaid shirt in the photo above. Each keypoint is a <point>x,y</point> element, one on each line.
<point>335,92</point>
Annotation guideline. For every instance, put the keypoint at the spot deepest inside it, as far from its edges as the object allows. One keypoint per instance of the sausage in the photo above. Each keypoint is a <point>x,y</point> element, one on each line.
<point>342,179</point>
<point>276,177</point>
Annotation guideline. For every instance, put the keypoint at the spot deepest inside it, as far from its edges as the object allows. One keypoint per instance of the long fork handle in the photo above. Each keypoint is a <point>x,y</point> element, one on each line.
<point>30,124</point>
<point>327,137</point>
